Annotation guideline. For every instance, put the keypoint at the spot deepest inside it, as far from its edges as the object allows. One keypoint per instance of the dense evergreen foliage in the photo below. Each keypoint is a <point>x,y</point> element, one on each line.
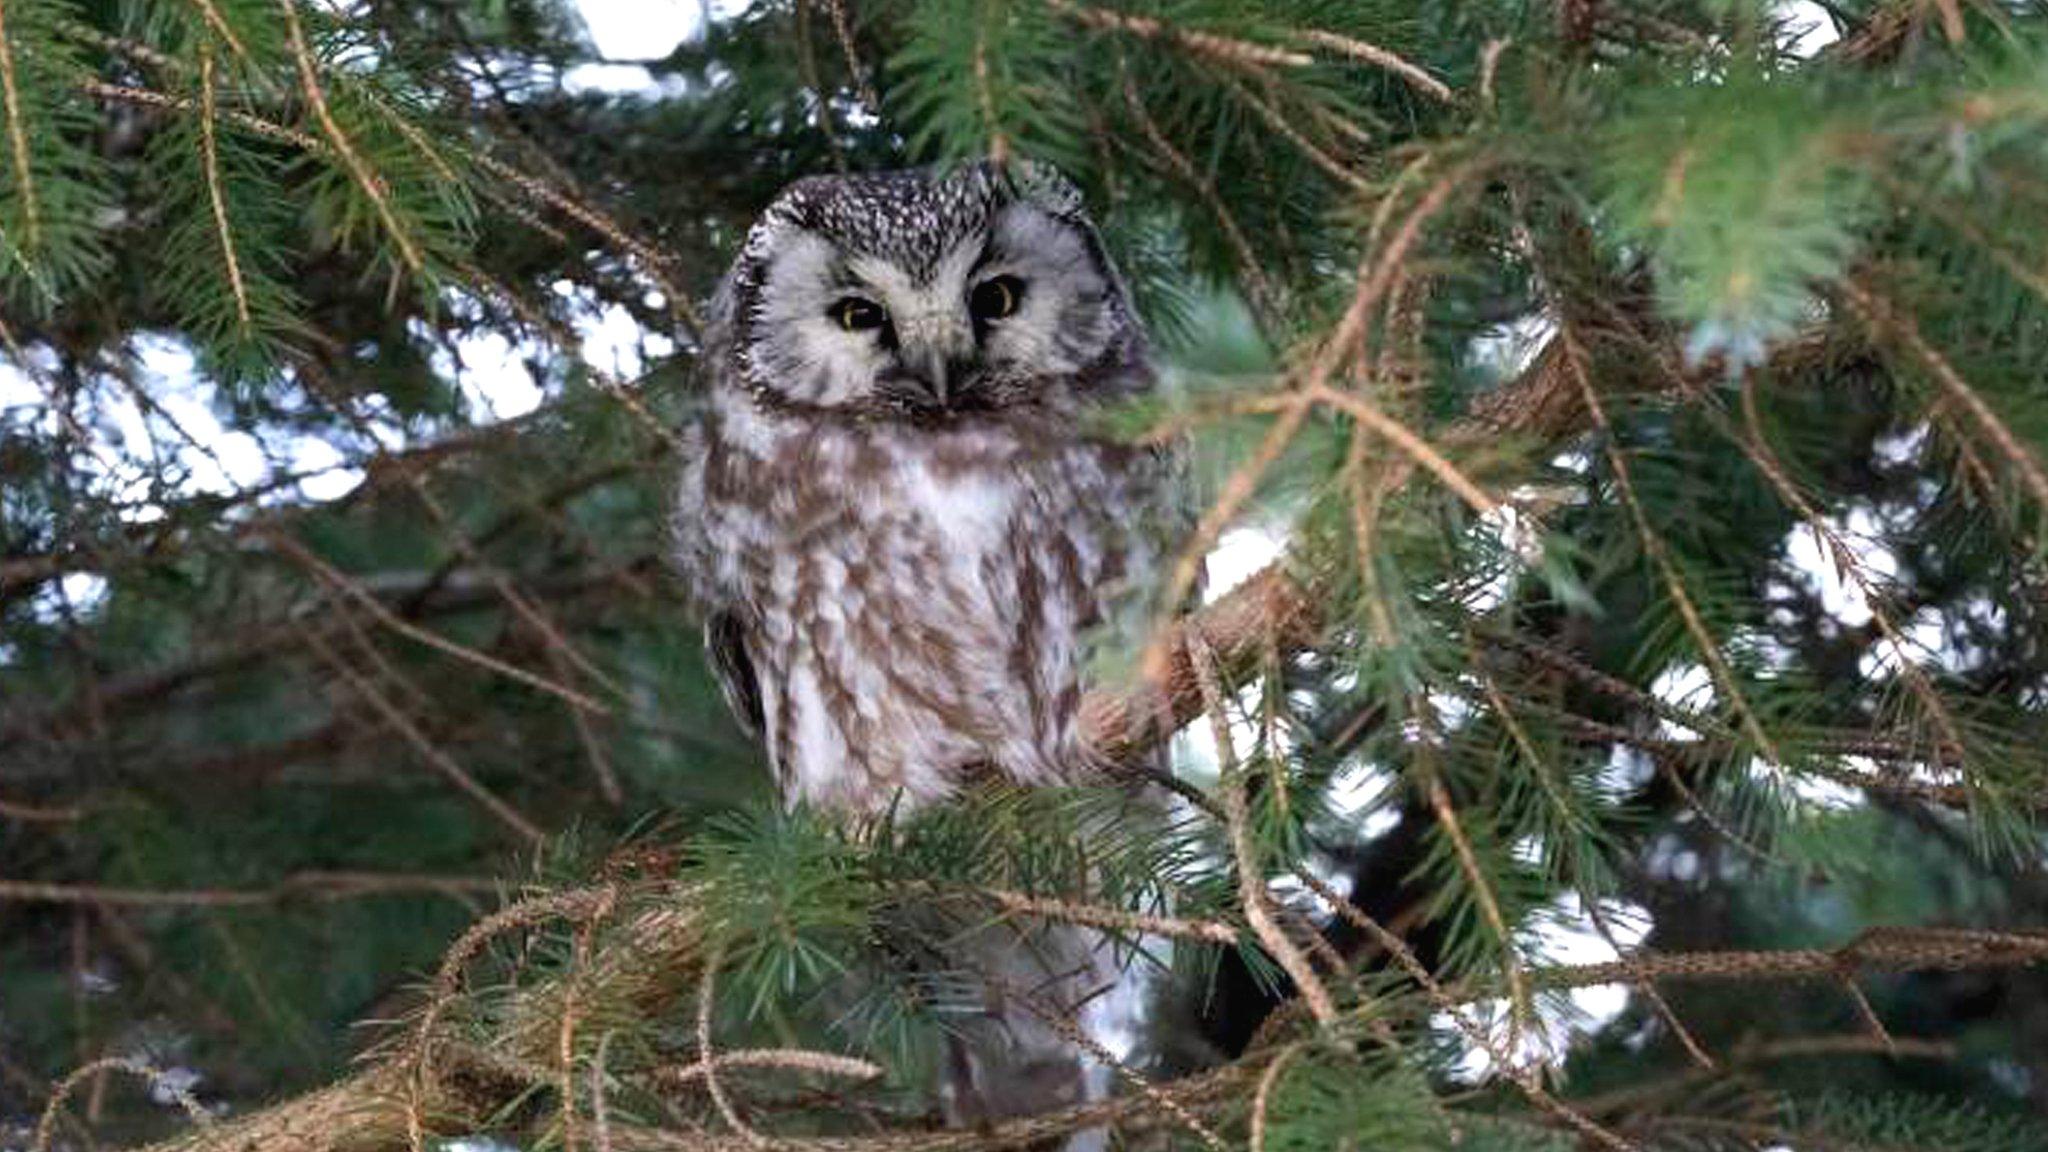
<point>1645,402</point>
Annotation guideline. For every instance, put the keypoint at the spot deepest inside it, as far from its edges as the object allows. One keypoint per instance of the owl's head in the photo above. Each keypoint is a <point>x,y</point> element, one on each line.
<point>928,294</point>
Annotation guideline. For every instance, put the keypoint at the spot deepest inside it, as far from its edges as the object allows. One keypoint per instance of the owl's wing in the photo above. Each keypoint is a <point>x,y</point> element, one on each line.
<point>725,642</point>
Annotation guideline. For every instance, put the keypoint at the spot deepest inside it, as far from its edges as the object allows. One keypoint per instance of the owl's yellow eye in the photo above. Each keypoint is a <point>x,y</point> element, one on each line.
<point>857,315</point>
<point>995,298</point>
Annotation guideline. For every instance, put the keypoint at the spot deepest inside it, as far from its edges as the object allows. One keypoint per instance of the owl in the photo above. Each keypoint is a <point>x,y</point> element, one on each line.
<point>902,522</point>
<point>895,513</point>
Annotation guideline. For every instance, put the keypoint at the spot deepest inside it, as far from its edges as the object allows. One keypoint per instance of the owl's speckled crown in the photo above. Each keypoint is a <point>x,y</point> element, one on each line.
<point>913,215</point>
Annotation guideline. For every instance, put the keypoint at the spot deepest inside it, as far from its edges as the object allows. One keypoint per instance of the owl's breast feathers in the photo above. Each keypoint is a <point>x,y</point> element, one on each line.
<point>903,607</point>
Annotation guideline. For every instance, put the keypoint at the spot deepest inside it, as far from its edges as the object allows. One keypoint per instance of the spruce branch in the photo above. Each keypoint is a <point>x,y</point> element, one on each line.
<point>1262,1095</point>
<point>211,13</point>
<point>1277,120</point>
<point>396,716</point>
<point>653,262</point>
<point>1756,446</point>
<point>653,957</point>
<point>784,1059</point>
<point>17,140</point>
<point>1660,557</point>
<point>842,27</point>
<point>365,177</point>
<point>117,45</point>
<point>46,1128</point>
<point>210,158</point>
<point>352,589</point>
<point>1888,323</point>
<point>480,1052</point>
<point>1379,57</point>
<point>1063,1024</point>
<point>1522,1007</point>
<point>1526,1080</point>
<point>1254,896</point>
<point>151,98</point>
<point>1111,919</point>
<point>1875,950</point>
<point>1264,296</point>
<point>1224,49</point>
<point>364,1113</point>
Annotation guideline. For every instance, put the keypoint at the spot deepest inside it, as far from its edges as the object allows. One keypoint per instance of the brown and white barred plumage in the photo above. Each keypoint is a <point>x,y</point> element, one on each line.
<point>901,534</point>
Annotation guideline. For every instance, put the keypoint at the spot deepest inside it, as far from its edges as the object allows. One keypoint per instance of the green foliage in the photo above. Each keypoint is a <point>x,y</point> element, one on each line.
<point>1334,1101</point>
<point>1746,192</point>
<point>984,76</point>
<point>1918,1122</point>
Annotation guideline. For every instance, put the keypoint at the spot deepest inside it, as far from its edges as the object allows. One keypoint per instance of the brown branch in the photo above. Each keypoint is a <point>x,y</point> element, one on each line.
<point>351,588</point>
<point>842,27</point>
<point>320,886</point>
<point>209,151</point>
<point>1123,726</point>
<point>1112,919</point>
<point>1227,49</point>
<point>1256,897</point>
<point>1890,324</point>
<point>40,814</point>
<point>157,1081</point>
<point>1379,57</point>
<point>17,140</point>
<point>784,1059</point>
<point>1751,1053</point>
<point>651,963</point>
<point>1877,950</point>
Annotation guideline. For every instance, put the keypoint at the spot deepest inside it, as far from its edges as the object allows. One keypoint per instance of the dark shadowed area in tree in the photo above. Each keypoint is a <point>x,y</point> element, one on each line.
<point>1635,736</point>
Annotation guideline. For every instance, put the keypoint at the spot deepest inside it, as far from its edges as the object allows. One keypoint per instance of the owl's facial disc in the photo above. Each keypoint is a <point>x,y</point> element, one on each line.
<point>991,304</point>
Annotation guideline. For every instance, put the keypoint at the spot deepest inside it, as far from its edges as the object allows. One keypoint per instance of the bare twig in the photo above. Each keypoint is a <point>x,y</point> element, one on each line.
<point>1227,49</point>
<point>39,813</point>
<point>354,590</point>
<point>1113,919</point>
<point>312,886</point>
<point>1379,57</point>
<point>1877,950</point>
<point>441,761</point>
<point>783,1059</point>
<point>842,27</point>
<point>1256,896</point>
<point>209,153</point>
<point>707,1056</point>
<point>46,1128</point>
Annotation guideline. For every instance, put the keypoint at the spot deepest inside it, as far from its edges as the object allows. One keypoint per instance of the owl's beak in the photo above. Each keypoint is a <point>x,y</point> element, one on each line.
<point>936,372</point>
<point>937,352</point>
<point>945,378</point>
